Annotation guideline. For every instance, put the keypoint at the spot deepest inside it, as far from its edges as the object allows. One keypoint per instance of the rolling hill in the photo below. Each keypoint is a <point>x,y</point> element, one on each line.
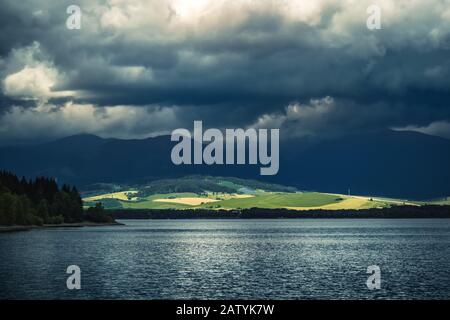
<point>206,192</point>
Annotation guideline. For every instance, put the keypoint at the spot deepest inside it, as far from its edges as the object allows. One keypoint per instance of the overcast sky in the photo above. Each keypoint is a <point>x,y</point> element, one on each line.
<point>145,67</point>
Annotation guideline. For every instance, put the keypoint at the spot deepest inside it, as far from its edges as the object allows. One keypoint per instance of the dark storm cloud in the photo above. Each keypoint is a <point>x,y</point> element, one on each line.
<point>241,60</point>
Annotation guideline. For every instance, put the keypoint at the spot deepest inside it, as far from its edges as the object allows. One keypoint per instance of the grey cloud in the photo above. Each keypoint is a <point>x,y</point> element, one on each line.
<point>438,128</point>
<point>241,59</point>
<point>48,121</point>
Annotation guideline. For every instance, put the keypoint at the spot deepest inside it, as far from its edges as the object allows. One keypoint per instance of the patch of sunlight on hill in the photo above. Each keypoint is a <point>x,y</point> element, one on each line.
<point>278,200</point>
<point>188,201</point>
<point>122,195</point>
<point>231,201</point>
<point>200,200</point>
<point>346,204</point>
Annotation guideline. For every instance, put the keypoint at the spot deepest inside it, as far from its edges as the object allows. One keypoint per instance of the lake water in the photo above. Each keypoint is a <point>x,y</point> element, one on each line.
<point>231,259</point>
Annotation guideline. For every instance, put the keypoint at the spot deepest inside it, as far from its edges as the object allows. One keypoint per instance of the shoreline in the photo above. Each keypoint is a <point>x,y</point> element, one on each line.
<point>394,212</point>
<point>16,228</point>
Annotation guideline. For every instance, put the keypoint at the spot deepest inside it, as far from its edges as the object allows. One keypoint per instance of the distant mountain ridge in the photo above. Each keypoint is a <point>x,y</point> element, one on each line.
<point>383,163</point>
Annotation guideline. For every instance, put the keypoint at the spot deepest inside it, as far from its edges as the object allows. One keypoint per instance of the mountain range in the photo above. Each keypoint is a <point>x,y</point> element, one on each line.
<point>387,163</point>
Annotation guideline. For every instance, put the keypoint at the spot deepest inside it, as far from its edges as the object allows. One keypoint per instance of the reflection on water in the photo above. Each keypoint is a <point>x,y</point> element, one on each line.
<point>231,259</point>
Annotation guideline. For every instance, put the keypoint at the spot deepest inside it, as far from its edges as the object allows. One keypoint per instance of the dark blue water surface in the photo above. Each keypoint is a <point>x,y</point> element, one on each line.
<point>231,259</point>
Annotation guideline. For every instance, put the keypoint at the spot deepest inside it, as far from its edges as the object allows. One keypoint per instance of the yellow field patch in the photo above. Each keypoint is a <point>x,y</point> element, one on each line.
<point>347,203</point>
<point>393,201</point>
<point>122,195</point>
<point>242,196</point>
<point>188,201</point>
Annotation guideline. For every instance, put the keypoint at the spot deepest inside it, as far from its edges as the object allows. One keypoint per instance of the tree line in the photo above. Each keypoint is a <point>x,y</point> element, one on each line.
<point>393,212</point>
<point>41,201</point>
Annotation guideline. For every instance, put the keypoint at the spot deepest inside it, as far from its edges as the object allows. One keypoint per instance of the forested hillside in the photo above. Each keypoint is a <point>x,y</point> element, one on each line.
<point>36,202</point>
